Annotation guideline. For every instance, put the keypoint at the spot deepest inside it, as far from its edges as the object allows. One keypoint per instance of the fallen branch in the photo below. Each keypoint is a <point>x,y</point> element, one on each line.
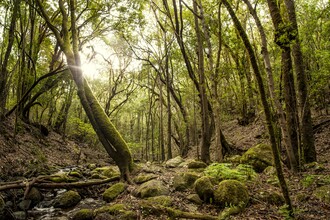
<point>50,185</point>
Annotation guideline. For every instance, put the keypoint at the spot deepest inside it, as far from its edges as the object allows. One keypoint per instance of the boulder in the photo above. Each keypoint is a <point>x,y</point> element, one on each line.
<point>116,211</point>
<point>112,192</point>
<point>83,214</point>
<point>150,189</point>
<point>183,181</point>
<point>196,164</point>
<point>67,199</point>
<point>204,188</point>
<point>174,162</point>
<point>104,172</point>
<point>161,200</point>
<point>35,196</point>
<point>259,156</point>
<point>195,199</point>
<point>142,178</point>
<point>231,193</point>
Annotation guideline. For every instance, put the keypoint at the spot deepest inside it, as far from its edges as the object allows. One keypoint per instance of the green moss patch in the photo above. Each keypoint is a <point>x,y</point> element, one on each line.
<point>204,188</point>
<point>83,214</point>
<point>161,200</point>
<point>119,211</point>
<point>142,178</point>
<point>67,199</point>
<point>259,157</point>
<point>223,171</point>
<point>112,192</point>
<point>323,193</point>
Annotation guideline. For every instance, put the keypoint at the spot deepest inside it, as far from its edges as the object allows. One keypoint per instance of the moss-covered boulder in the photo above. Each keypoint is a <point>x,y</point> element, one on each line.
<point>233,159</point>
<point>231,193</point>
<point>224,171</point>
<point>142,178</point>
<point>117,211</point>
<point>195,164</point>
<point>259,156</point>
<point>183,181</point>
<point>204,188</point>
<point>83,214</point>
<point>76,174</point>
<point>161,200</point>
<point>323,193</point>
<point>195,199</point>
<point>271,197</point>
<point>151,188</point>
<point>174,162</point>
<point>62,177</point>
<point>271,176</point>
<point>113,191</point>
<point>105,172</point>
<point>67,199</point>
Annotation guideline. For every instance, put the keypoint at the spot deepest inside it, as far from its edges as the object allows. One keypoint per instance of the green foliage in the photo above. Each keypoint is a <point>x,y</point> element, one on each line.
<point>223,171</point>
<point>81,130</point>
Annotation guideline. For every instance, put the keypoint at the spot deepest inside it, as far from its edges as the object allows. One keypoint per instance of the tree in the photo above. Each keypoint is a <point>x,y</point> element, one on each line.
<point>68,41</point>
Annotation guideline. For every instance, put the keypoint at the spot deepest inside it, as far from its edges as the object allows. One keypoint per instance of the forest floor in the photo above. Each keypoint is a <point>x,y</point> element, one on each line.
<point>29,154</point>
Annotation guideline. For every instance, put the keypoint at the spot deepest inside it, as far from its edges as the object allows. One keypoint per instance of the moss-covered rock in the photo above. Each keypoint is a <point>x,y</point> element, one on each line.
<point>84,214</point>
<point>204,188</point>
<point>67,199</point>
<point>34,196</point>
<point>62,177</point>
<point>271,176</point>
<point>223,171</point>
<point>183,181</point>
<point>259,156</point>
<point>106,171</point>
<point>174,162</point>
<point>318,180</point>
<point>233,159</point>
<point>113,191</point>
<point>118,211</point>
<point>196,164</point>
<point>323,193</point>
<point>151,188</point>
<point>75,174</point>
<point>161,200</point>
<point>271,197</point>
<point>231,193</point>
<point>142,178</point>
<point>195,199</point>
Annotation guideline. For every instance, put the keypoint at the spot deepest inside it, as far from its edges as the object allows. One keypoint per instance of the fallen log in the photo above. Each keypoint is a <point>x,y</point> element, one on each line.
<point>50,185</point>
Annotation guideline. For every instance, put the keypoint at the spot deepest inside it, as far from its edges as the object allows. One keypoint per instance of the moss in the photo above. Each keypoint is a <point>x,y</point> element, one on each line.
<point>196,164</point>
<point>161,200</point>
<point>259,156</point>
<point>106,171</point>
<point>151,188</point>
<point>112,192</point>
<point>75,174</point>
<point>233,159</point>
<point>174,162</point>
<point>231,193</point>
<point>67,199</point>
<point>271,197</point>
<point>195,199</point>
<point>120,211</point>
<point>223,171</point>
<point>183,181</point>
<point>318,180</point>
<point>204,188</point>
<point>83,214</point>
<point>323,193</point>
<point>142,178</point>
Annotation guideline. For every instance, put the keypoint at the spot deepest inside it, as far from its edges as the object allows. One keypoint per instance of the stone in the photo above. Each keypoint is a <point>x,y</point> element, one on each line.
<point>204,188</point>
<point>183,181</point>
<point>231,193</point>
<point>195,199</point>
<point>161,200</point>
<point>67,199</point>
<point>259,157</point>
<point>151,188</point>
<point>19,215</point>
<point>35,196</point>
<point>115,211</point>
<point>196,164</point>
<point>271,197</point>
<point>83,214</point>
<point>142,178</point>
<point>174,162</point>
<point>112,192</point>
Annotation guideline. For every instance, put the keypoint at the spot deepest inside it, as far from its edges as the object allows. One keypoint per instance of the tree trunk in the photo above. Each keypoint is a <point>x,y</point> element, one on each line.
<point>265,104</point>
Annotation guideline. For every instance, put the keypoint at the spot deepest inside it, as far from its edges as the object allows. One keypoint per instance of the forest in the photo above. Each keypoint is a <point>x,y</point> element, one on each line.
<point>164,109</point>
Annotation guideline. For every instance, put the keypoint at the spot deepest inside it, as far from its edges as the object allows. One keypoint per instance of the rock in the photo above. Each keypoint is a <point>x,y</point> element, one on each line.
<point>19,215</point>
<point>112,192</point>
<point>106,172</point>
<point>118,211</point>
<point>75,174</point>
<point>224,171</point>
<point>271,197</point>
<point>236,159</point>
<point>183,181</point>
<point>142,178</point>
<point>195,199</point>
<point>91,166</point>
<point>323,193</point>
<point>161,200</point>
<point>35,196</point>
<point>231,193</point>
<point>67,199</point>
<point>272,179</point>
<point>83,214</point>
<point>204,188</point>
<point>259,156</point>
<point>174,162</point>
<point>151,188</point>
<point>196,164</point>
